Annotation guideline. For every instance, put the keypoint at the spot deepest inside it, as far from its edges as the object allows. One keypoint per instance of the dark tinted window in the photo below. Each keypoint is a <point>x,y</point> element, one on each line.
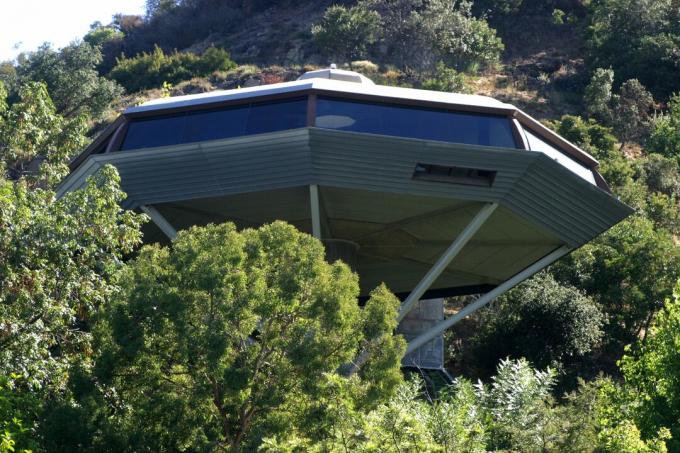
<point>215,124</point>
<point>402,121</point>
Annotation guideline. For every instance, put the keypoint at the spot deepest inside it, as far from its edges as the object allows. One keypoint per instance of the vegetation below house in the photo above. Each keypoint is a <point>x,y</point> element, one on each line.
<point>101,343</point>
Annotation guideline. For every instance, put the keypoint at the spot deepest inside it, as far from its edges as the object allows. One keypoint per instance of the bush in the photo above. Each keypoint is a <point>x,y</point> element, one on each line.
<point>548,323</point>
<point>661,174</point>
<point>416,34</point>
<point>665,136</point>
<point>71,77</point>
<point>346,33</point>
<point>651,372</point>
<point>446,79</point>
<point>637,39</point>
<point>150,70</point>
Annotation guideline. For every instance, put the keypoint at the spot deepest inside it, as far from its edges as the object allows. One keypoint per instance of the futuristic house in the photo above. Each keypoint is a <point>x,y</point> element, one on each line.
<point>436,194</point>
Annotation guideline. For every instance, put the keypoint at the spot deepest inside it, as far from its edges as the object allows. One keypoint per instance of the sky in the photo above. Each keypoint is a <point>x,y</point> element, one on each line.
<point>26,24</point>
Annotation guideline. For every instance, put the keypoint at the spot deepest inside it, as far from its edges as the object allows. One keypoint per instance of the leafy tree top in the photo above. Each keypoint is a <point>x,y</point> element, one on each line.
<point>238,329</point>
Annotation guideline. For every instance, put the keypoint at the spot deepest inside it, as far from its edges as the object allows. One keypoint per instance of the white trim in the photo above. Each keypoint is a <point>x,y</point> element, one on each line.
<point>320,84</point>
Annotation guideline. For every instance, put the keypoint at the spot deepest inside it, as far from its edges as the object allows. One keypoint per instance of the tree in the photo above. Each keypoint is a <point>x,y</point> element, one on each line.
<point>417,35</point>
<point>459,39</point>
<point>546,322</point>
<point>57,264</point>
<point>651,372</point>
<point>632,112</point>
<point>71,77</point>
<point>628,112</point>
<point>665,136</point>
<point>110,42</point>
<point>346,33</point>
<point>637,39</point>
<point>598,95</point>
<point>227,337</point>
<point>35,141</point>
<point>598,140</point>
<point>629,271</point>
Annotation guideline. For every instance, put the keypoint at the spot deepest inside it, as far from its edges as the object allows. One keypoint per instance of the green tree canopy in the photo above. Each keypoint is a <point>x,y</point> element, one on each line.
<point>57,264</point>
<point>346,33</point>
<point>35,141</point>
<point>227,337</point>
<point>665,136</point>
<point>637,39</point>
<point>629,270</point>
<point>651,372</point>
<point>546,322</point>
<point>71,77</point>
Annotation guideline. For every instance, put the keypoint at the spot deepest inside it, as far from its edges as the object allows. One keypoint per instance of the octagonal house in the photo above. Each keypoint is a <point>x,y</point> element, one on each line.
<point>435,194</point>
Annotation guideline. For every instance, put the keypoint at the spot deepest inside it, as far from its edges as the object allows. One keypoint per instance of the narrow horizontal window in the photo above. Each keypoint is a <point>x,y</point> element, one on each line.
<point>454,175</point>
<point>214,124</point>
<point>414,122</point>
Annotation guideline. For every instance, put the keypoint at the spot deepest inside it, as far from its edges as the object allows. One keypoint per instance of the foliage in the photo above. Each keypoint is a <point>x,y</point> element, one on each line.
<point>35,141</point>
<point>417,34</point>
<point>18,410</point>
<point>628,112</point>
<point>651,370</point>
<point>109,40</point>
<point>446,79</point>
<point>517,400</point>
<point>637,39</point>
<point>346,33</point>
<point>150,70</point>
<point>660,174</point>
<point>633,105</point>
<point>629,271</point>
<point>57,262</point>
<point>548,323</point>
<point>665,136</point>
<point>71,78</point>
<point>599,142</point>
<point>225,338</point>
<point>598,95</point>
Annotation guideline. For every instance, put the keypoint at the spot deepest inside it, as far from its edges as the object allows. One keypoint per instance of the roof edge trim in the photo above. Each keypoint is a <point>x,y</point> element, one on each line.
<point>562,143</point>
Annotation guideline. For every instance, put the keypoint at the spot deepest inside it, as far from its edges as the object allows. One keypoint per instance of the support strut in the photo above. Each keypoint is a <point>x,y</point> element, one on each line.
<point>486,298</point>
<point>160,221</point>
<point>446,258</point>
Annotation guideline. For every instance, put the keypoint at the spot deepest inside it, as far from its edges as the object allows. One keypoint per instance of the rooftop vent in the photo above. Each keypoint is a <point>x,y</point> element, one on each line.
<point>333,73</point>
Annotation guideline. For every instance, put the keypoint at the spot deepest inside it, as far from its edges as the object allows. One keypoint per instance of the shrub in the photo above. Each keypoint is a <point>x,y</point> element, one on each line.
<point>637,39</point>
<point>150,70</point>
<point>665,136</point>
<point>651,372</point>
<point>71,77</point>
<point>416,34</point>
<point>542,320</point>
<point>661,174</point>
<point>446,79</point>
<point>346,33</point>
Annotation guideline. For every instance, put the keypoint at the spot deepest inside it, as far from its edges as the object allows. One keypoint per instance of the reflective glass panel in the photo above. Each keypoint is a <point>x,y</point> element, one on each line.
<point>414,122</point>
<point>204,125</point>
<point>540,145</point>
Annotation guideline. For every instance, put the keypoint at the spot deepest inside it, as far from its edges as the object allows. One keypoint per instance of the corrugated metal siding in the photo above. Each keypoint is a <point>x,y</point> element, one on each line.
<point>374,162</point>
<point>577,212</point>
<point>529,184</point>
